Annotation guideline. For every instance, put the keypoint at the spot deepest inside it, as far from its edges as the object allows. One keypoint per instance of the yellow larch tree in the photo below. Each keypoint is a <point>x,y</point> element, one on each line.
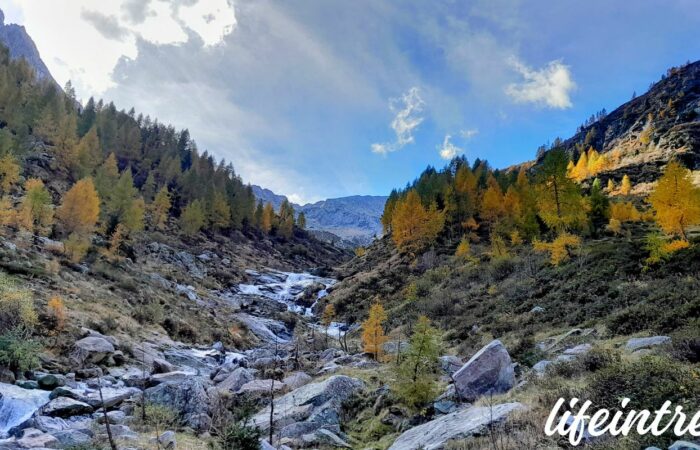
<point>36,211</point>
<point>676,201</point>
<point>373,336</point>
<point>268,218</point>
<point>160,208</point>
<point>9,173</point>
<point>626,185</point>
<point>414,226</point>
<point>80,208</point>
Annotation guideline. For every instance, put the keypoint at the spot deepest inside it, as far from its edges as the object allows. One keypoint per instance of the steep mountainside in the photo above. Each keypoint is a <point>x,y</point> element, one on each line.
<point>345,221</point>
<point>641,135</point>
<point>21,45</point>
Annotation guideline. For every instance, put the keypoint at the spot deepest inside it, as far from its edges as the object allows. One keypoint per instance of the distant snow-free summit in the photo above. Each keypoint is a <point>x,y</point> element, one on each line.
<point>346,221</point>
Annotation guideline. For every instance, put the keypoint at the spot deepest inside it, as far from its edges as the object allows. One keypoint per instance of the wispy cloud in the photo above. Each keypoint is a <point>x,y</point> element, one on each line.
<point>107,26</point>
<point>448,150</point>
<point>469,133</point>
<point>549,86</point>
<point>408,117</point>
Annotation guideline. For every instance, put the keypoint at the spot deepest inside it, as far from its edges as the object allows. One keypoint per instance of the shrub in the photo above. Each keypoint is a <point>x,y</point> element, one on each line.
<point>16,306</point>
<point>161,417</point>
<point>237,436</point>
<point>18,351</point>
<point>76,247</point>
<point>56,312</point>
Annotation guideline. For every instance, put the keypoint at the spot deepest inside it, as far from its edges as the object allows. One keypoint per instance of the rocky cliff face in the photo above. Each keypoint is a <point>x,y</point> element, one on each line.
<point>345,221</point>
<point>16,39</point>
<point>640,136</point>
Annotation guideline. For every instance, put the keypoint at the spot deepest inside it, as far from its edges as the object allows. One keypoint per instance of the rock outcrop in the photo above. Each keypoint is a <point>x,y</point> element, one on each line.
<point>489,371</point>
<point>457,425</point>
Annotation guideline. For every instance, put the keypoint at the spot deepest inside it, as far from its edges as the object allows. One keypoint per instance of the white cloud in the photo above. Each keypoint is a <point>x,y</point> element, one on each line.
<point>549,86</point>
<point>469,133</point>
<point>448,150</point>
<point>96,34</point>
<point>407,117</point>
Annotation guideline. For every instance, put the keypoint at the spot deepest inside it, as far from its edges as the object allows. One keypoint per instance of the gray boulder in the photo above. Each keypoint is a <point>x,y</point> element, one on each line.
<point>167,440</point>
<point>635,344</point>
<point>450,364</point>
<point>66,407</point>
<point>296,380</point>
<point>91,349</point>
<point>33,438</point>
<point>189,398</point>
<point>540,368</point>
<point>489,371</point>
<point>457,425</point>
<point>261,388</point>
<point>316,403</point>
<point>236,380</point>
<point>72,438</point>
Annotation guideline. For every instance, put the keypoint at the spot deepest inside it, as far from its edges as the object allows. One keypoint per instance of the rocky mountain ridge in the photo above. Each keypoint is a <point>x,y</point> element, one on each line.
<point>21,45</point>
<point>640,136</point>
<point>345,221</point>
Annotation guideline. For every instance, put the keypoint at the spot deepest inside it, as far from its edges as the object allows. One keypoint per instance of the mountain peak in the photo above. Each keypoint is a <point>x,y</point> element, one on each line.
<point>21,45</point>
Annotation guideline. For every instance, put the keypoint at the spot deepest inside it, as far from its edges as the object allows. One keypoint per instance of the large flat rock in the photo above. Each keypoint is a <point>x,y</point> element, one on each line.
<point>457,425</point>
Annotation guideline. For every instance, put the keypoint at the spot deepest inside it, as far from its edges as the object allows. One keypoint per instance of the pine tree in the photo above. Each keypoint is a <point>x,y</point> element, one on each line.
<point>416,380</point>
<point>9,173</point>
<point>676,201</point>
<point>192,219</point>
<point>413,226</point>
<point>492,205</point>
<point>87,154</point>
<point>301,221</point>
<point>106,176</point>
<point>559,200</point>
<point>80,208</point>
<point>268,218</point>
<point>219,212</point>
<point>626,186</point>
<point>611,186</point>
<point>123,204</point>
<point>160,208</point>
<point>36,211</point>
<point>258,215</point>
<point>373,337</point>
<point>286,220</point>
<point>148,190</point>
<point>599,205</point>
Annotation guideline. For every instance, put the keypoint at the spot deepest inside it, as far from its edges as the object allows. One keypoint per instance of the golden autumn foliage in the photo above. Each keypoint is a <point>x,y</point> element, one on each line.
<point>413,225</point>
<point>117,239</point>
<point>268,218</point>
<point>492,204</point>
<point>611,186</point>
<point>373,337</point>
<point>589,164</point>
<point>219,212</point>
<point>9,173</point>
<point>80,208</point>
<point>675,201</point>
<point>328,315</point>
<point>56,311</point>
<point>160,208</point>
<point>360,252</point>
<point>192,219</point>
<point>7,213</point>
<point>36,211</point>
<point>560,249</point>
<point>463,250</point>
<point>626,185</point>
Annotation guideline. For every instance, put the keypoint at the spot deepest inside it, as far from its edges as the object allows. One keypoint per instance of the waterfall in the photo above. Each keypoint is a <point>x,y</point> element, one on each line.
<point>17,405</point>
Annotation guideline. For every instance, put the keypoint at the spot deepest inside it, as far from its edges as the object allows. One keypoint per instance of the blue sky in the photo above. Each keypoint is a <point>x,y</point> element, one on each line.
<point>326,98</point>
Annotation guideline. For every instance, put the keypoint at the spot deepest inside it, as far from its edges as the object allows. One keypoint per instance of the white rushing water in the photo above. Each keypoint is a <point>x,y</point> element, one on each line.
<point>285,287</point>
<point>17,405</point>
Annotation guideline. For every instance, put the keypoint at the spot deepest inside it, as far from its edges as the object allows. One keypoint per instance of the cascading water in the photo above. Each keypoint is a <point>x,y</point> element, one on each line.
<point>17,405</point>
